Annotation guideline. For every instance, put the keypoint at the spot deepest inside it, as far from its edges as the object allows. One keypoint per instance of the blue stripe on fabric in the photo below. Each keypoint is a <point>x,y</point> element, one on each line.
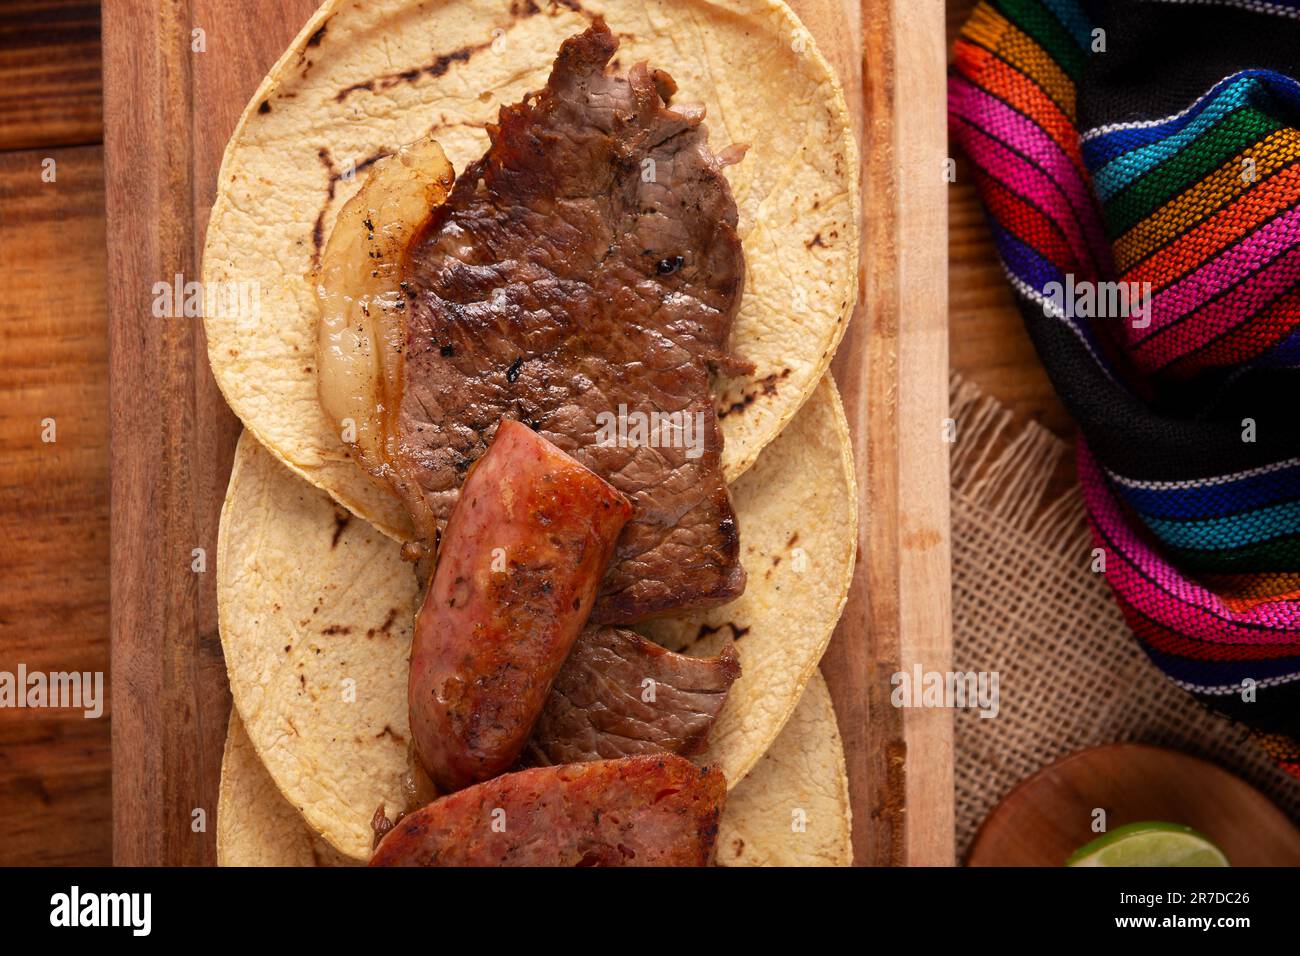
<point>1022,260</point>
<point>1103,149</point>
<point>1286,354</point>
<point>1220,672</point>
<point>1232,497</point>
<point>1036,271</point>
<point>1235,531</point>
<point>1124,170</point>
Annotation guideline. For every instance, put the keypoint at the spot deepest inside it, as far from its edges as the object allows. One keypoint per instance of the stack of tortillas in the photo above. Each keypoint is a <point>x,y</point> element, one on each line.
<point>316,604</point>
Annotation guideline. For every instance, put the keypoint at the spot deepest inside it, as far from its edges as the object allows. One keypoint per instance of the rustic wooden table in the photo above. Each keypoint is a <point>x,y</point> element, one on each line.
<point>54,570</point>
<point>54,765</point>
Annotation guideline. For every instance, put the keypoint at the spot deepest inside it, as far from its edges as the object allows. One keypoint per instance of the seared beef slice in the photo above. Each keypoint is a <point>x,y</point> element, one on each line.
<point>601,705</point>
<point>588,261</point>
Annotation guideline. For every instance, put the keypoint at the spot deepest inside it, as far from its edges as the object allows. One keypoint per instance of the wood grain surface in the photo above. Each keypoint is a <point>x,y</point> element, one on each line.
<point>172,434</point>
<point>171,452</point>
<point>1050,815</point>
<point>49,74</point>
<point>53,500</point>
<point>891,369</point>
<point>54,764</point>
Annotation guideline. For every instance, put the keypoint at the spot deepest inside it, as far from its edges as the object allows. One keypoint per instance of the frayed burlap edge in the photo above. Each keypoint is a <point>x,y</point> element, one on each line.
<point>1027,605</point>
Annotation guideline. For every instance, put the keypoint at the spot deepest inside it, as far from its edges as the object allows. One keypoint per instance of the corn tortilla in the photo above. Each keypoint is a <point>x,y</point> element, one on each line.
<point>316,610</point>
<point>364,78</point>
<point>792,809</point>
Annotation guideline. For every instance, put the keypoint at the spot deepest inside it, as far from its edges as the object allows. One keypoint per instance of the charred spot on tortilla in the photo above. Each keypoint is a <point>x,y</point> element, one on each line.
<point>386,627</point>
<point>437,67</point>
<point>707,630</point>
<point>341,519</point>
<point>392,735</point>
<point>767,385</point>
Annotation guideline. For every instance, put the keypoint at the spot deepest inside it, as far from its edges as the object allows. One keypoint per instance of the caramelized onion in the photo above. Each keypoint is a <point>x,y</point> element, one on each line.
<point>362,330</point>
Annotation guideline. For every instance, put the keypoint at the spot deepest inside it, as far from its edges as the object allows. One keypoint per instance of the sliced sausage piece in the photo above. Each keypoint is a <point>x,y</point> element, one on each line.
<point>636,811</point>
<point>620,694</point>
<point>518,570</point>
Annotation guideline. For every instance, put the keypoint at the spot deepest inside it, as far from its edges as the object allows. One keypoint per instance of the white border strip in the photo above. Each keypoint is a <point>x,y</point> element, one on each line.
<point>1050,309</point>
<point>1202,482</point>
<point>1254,6</point>
<point>1226,690</point>
<point>1147,124</point>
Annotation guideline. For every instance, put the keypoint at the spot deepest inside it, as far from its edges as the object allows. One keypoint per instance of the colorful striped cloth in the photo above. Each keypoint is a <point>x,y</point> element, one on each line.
<point>1139,163</point>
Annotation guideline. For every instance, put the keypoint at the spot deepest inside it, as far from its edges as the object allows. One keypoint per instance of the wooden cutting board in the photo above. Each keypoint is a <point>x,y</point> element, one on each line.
<point>168,112</point>
<point>1050,815</point>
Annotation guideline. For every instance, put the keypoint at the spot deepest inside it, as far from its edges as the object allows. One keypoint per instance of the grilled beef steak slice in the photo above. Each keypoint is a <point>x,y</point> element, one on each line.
<point>587,268</point>
<point>598,709</point>
<point>638,811</point>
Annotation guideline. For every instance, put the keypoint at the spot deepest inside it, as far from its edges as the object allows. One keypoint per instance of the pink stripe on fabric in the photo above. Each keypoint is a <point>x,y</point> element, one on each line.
<point>1024,178</point>
<point>1151,585</point>
<point>1226,268</point>
<point>1236,308</point>
<point>984,110</point>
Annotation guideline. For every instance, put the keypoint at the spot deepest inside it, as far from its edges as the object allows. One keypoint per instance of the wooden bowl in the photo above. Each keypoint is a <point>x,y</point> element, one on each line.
<point>1049,816</point>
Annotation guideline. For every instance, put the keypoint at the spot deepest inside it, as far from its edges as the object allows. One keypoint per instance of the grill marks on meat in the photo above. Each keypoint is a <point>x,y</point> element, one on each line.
<point>587,264</point>
<point>597,707</point>
<point>638,811</point>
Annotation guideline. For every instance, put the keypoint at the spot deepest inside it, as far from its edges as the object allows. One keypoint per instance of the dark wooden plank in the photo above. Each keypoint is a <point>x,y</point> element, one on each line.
<point>50,92</point>
<point>54,764</point>
<point>173,437</point>
<point>168,713</point>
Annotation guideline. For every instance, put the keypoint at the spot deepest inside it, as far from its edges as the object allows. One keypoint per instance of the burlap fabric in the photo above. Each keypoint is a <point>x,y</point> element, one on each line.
<point>1027,605</point>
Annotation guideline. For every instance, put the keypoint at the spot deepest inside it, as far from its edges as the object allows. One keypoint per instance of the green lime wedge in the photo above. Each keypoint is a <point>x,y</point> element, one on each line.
<point>1149,844</point>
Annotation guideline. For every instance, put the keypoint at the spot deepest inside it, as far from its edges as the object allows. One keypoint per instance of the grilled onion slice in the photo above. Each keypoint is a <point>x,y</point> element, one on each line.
<point>362,331</point>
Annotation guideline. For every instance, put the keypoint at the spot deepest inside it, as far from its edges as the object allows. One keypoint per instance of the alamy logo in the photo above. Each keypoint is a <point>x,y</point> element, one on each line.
<point>1099,300</point>
<point>223,300</point>
<point>74,908</point>
<point>78,690</point>
<point>626,429</point>
<point>946,689</point>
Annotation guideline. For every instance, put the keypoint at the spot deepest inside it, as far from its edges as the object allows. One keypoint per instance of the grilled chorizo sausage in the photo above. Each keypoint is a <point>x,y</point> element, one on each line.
<point>635,811</point>
<point>518,569</point>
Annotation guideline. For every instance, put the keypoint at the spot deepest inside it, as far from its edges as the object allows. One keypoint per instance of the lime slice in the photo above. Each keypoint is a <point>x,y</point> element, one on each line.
<point>1149,844</point>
